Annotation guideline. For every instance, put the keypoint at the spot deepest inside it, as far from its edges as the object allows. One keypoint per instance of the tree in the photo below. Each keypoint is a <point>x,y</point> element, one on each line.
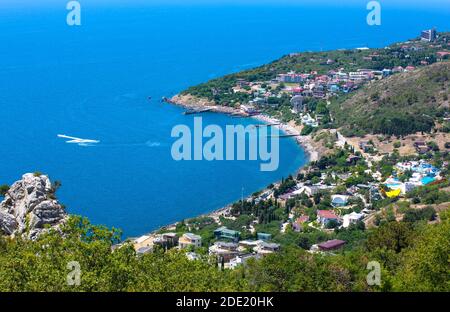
<point>391,236</point>
<point>4,189</point>
<point>425,266</point>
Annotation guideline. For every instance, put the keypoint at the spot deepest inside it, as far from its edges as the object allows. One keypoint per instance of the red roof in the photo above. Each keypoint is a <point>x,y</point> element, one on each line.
<point>302,219</point>
<point>328,214</point>
<point>443,53</point>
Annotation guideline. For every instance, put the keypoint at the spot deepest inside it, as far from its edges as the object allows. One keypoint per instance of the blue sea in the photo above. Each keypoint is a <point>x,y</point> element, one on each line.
<point>93,81</point>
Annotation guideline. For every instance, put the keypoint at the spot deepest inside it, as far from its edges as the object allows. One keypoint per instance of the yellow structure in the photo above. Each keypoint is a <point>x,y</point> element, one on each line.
<point>394,193</point>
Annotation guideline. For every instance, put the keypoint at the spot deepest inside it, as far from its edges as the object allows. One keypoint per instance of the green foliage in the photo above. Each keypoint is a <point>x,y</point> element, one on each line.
<point>405,105</point>
<point>414,215</point>
<point>425,266</point>
<point>392,236</point>
<point>4,189</point>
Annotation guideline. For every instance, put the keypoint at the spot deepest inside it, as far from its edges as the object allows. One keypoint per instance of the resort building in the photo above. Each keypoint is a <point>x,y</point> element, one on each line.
<point>248,244</point>
<point>143,244</point>
<point>266,248</point>
<point>224,251</point>
<point>429,35</point>
<point>223,232</point>
<point>189,240</point>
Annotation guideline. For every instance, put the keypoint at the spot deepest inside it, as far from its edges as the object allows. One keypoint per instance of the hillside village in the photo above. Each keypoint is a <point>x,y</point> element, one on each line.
<point>334,196</point>
<point>353,186</point>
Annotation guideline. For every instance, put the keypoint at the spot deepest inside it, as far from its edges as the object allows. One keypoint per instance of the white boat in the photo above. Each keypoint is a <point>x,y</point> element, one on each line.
<point>79,141</point>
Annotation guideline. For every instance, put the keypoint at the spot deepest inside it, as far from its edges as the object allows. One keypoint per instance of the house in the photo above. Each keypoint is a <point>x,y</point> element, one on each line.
<point>339,200</point>
<point>223,232</point>
<point>284,197</point>
<point>359,76</point>
<point>265,248</point>
<point>441,55</point>
<point>248,244</point>
<point>189,240</point>
<point>224,251</point>
<point>351,218</point>
<point>331,245</point>
<point>398,69</point>
<point>166,240</point>
<point>326,216</point>
<point>299,223</point>
<point>311,190</point>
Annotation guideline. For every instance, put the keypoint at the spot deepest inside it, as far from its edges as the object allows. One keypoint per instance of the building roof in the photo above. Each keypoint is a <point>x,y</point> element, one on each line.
<point>192,236</point>
<point>141,239</point>
<point>225,230</point>
<point>269,245</point>
<point>302,219</point>
<point>332,244</point>
<point>328,214</point>
<point>339,199</point>
<point>226,245</point>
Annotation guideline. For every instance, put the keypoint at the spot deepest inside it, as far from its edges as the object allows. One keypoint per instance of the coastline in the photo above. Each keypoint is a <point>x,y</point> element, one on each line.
<point>190,102</point>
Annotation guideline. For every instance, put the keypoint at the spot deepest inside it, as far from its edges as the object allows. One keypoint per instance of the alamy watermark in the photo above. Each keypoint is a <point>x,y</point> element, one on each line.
<point>374,16</point>
<point>74,15</point>
<point>237,143</point>
<point>374,276</point>
<point>74,276</point>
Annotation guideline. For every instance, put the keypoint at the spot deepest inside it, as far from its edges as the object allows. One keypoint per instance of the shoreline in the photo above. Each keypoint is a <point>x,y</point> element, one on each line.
<point>302,141</point>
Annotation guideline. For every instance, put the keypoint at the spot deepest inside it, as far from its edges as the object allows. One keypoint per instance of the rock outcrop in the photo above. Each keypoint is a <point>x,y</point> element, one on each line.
<point>29,207</point>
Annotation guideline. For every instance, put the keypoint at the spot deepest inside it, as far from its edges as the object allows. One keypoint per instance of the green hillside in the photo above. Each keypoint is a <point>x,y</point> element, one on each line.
<point>219,90</point>
<point>402,104</point>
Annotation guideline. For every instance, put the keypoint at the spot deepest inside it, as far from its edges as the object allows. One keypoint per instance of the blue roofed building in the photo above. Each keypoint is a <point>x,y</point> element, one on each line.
<point>226,233</point>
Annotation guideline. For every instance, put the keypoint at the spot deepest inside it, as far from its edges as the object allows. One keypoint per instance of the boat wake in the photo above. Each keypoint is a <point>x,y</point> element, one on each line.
<point>78,141</point>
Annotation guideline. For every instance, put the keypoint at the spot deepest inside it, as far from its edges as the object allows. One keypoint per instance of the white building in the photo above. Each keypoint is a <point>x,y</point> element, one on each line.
<point>351,218</point>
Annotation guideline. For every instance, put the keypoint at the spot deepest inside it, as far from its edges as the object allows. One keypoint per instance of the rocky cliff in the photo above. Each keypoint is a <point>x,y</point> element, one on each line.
<point>29,207</point>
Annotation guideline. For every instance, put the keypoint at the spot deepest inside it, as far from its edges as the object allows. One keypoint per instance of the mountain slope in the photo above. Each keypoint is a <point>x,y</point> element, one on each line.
<point>402,104</point>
